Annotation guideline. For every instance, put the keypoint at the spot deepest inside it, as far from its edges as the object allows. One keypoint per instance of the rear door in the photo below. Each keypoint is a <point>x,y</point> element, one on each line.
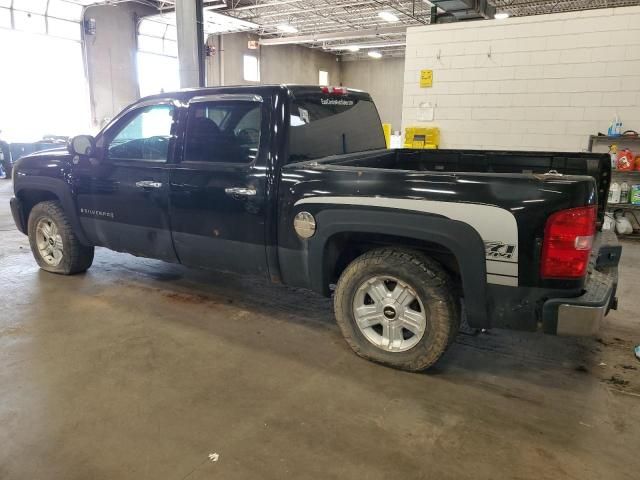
<point>218,185</point>
<point>123,197</point>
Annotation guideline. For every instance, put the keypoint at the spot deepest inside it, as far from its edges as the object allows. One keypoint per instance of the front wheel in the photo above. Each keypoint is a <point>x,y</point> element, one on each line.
<point>53,243</point>
<point>396,307</point>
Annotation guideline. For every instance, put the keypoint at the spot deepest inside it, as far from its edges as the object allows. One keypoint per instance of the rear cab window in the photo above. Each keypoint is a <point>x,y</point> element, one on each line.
<point>324,124</point>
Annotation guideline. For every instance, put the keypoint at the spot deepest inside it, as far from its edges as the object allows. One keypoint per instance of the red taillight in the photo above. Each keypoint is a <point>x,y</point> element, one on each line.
<point>335,90</point>
<point>568,237</point>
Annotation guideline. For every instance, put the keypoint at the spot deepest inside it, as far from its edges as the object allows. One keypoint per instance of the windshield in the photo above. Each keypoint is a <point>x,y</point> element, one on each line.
<point>322,125</point>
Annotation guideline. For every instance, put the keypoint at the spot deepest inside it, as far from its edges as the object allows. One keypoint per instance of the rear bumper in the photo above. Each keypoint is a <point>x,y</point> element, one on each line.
<point>583,315</point>
<point>16,212</point>
<point>577,311</point>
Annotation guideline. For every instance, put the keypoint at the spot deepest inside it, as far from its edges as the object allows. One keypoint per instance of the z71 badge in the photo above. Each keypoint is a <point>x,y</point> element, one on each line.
<point>499,250</point>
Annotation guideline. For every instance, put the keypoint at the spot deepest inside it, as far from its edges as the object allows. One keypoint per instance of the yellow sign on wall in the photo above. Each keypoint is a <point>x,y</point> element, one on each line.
<point>426,78</point>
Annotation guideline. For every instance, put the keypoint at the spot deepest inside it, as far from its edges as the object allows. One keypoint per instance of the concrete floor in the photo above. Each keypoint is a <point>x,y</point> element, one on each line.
<point>140,369</point>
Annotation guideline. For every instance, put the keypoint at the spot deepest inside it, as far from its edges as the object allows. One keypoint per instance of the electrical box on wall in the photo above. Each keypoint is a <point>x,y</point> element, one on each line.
<point>426,111</point>
<point>253,44</point>
<point>90,26</point>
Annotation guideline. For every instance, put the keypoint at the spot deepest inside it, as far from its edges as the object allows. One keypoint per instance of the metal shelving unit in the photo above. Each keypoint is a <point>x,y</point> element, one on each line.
<point>600,144</point>
<point>624,206</point>
<point>605,140</point>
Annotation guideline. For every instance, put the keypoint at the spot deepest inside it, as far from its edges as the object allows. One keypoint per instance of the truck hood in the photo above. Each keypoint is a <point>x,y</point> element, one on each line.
<point>46,163</point>
<point>54,153</point>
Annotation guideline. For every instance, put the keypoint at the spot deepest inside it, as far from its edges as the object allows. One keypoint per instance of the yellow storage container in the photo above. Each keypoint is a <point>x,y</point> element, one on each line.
<point>386,128</point>
<point>422,137</point>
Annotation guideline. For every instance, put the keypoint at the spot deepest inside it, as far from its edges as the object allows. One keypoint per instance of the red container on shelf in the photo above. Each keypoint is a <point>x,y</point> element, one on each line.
<point>625,160</point>
<point>637,162</point>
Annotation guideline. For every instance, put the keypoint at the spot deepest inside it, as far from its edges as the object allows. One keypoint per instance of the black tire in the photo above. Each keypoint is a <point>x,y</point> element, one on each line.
<point>76,258</point>
<point>431,284</point>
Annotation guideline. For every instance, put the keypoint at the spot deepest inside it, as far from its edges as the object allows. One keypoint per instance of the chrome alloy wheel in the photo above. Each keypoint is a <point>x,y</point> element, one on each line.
<point>49,242</point>
<point>389,313</point>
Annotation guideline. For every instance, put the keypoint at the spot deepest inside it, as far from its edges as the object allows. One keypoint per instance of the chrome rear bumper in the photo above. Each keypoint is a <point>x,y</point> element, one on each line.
<point>578,320</point>
<point>582,316</point>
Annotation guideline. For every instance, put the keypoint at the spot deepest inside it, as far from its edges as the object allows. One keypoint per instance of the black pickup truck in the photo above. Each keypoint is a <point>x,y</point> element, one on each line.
<point>294,183</point>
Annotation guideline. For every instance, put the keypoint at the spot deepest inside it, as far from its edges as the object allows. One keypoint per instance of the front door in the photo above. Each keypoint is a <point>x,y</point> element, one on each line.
<point>123,196</point>
<point>218,188</point>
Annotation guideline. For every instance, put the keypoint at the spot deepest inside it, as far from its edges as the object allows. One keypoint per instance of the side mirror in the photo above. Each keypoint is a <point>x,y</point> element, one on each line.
<point>84,145</point>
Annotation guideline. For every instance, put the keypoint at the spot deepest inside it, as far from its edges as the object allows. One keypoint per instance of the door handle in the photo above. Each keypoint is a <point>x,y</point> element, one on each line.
<point>240,192</point>
<point>148,184</point>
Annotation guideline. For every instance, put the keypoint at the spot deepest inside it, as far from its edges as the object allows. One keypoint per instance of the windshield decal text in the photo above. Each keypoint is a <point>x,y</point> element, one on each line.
<point>336,101</point>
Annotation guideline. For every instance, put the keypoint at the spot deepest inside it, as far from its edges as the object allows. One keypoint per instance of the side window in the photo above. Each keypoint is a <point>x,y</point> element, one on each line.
<point>223,132</point>
<point>145,136</point>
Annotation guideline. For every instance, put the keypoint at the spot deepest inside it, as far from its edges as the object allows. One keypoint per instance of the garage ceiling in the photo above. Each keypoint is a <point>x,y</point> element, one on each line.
<point>522,8</point>
<point>339,26</point>
<point>352,28</point>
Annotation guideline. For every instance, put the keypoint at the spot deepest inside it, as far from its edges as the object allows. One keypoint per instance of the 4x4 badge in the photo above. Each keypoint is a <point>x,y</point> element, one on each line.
<point>499,250</point>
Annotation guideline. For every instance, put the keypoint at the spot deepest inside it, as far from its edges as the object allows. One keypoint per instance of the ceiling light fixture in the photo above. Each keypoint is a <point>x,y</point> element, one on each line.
<point>374,54</point>
<point>286,28</point>
<point>353,48</point>
<point>501,15</point>
<point>388,16</point>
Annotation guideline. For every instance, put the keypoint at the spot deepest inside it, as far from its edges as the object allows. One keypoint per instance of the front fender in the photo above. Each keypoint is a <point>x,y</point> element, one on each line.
<point>57,187</point>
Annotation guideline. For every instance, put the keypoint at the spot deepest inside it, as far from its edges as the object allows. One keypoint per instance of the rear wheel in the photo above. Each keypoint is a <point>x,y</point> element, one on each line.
<point>53,243</point>
<point>396,307</point>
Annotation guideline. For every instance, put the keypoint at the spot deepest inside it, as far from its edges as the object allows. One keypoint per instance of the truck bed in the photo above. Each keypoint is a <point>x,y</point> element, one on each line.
<point>595,165</point>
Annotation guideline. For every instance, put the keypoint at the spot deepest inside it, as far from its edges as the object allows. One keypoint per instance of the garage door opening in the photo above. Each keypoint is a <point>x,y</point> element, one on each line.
<point>45,91</point>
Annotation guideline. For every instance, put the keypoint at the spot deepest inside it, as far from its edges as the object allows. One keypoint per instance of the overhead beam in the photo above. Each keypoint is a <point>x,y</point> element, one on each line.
<point>306,10</point>
<point>345,35</point>
<point>366,46</point>
<point>264,5</point>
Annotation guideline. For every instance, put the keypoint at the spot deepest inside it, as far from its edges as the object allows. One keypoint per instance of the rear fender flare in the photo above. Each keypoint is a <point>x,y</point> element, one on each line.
<point>460,238</point>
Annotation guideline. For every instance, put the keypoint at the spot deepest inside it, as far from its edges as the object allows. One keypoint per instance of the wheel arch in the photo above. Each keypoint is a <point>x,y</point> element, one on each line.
<point>36,190</point>
<point>345,234</point>
<point>342,248</point>
<point>30,197</point>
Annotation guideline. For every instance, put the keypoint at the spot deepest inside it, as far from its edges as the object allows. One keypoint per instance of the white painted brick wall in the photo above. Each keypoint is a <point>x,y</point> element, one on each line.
<point>534,83</point>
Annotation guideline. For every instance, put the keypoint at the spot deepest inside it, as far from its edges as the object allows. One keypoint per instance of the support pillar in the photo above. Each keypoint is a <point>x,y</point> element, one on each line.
<point>190,27</point>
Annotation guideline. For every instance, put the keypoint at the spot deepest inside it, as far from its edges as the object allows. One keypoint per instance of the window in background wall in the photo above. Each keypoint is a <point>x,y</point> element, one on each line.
<point>43,61</point>
<point>251,68</point>
<point>158,69</point>
<point>157,74</point>
<point>323,78</point>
